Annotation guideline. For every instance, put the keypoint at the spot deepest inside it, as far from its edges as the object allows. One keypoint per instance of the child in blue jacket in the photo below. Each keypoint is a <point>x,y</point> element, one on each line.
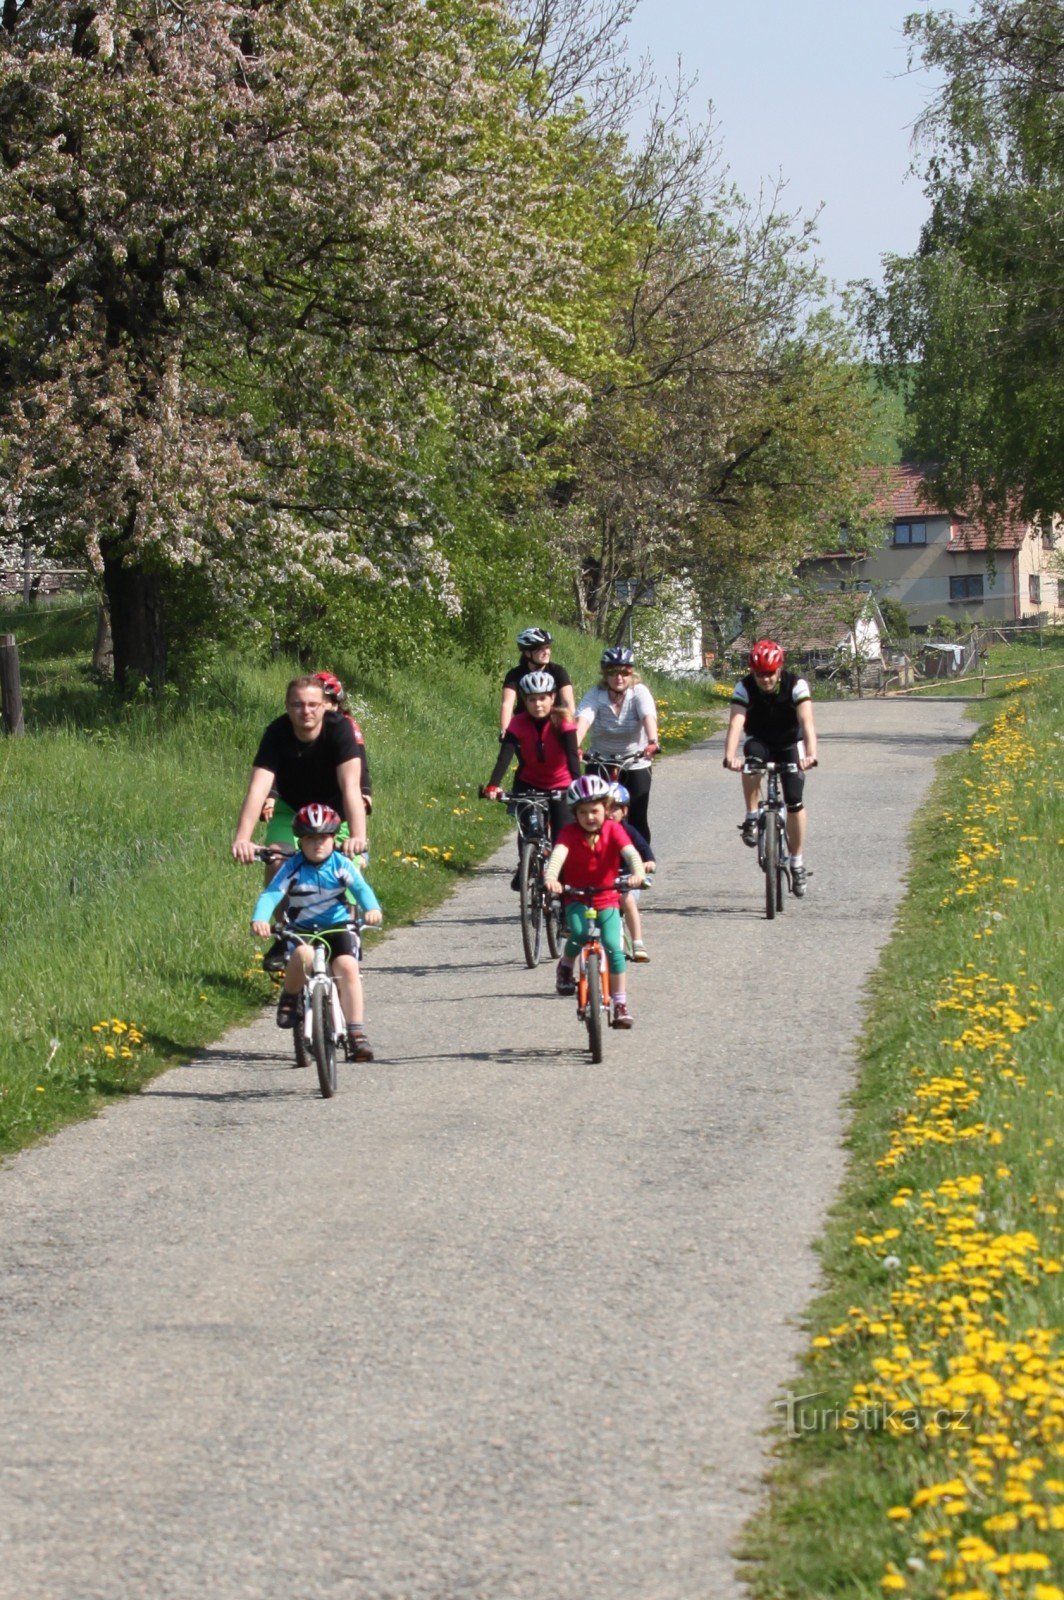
<point>619,802</point>
<point>320,885</point>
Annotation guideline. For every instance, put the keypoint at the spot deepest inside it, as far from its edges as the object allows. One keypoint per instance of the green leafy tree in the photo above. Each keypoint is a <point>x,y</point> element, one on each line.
<point>254,257</point>
<point>979,310</point>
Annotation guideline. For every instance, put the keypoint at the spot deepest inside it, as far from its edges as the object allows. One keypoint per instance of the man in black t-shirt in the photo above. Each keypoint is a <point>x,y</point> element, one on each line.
<point>535,647</point>
<point>306,756</point>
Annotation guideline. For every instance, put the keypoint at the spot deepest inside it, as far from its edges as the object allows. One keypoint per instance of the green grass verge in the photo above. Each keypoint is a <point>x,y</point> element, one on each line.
<point>126,921</point>
<point>931,1460</point>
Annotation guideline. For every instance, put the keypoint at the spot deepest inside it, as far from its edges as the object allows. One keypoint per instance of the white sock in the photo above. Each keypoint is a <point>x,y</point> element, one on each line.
<point>751,816</point>
<point>796,861</point>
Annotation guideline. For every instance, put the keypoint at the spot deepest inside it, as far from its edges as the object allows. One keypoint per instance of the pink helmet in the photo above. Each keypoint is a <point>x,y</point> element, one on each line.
<point>586,789</point>
<point>766,656</point>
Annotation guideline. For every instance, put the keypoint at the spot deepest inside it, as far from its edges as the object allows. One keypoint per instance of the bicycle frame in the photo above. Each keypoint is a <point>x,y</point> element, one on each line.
<point>773,852</point>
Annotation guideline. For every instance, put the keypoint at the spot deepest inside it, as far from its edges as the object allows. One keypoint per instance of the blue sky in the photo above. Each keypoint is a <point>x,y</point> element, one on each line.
<point>816,89</point>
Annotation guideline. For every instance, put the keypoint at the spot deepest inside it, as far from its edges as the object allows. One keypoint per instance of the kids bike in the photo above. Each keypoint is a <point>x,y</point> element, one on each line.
<point>591,972</point>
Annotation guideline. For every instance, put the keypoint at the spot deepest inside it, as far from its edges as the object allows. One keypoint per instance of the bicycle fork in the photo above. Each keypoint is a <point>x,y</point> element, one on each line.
<point>320,975</point>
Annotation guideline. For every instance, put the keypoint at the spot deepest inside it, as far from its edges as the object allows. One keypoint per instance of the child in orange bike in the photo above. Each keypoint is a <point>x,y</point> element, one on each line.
<point>589,854</point>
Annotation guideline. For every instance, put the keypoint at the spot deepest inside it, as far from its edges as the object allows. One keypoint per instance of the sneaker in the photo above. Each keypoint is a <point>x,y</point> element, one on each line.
<point>622,1017</point>
<point>287,1009</point>
<point>639,951</point>
<point>798,877</point>
<point>564,982</point>
<point>358,1045</point>
<point>515,881</point>
<point>748,830</point>
<point>276,957</point>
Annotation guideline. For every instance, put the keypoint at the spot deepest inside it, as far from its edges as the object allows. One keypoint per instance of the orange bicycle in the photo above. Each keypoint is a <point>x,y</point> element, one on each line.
<point>592,972</point>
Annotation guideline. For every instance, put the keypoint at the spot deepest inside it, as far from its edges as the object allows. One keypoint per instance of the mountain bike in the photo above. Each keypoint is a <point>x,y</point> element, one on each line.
<point>592,972</point>
<point>541,912</point>
<point>773,855</point>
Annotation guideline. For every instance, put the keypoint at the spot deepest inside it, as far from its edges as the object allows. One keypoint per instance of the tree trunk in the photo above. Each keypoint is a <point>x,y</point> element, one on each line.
<point>103,656</point>
<point>138,622</point>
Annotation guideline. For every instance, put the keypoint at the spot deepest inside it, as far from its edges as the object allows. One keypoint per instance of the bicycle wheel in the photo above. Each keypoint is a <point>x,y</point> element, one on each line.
<point>299,1037</point>
<point>781,863</point>
<point>531,903</point>
<point>554,917</point>
<point>321,1038</point>
<point>771,864</point>
<point>594,1006</point>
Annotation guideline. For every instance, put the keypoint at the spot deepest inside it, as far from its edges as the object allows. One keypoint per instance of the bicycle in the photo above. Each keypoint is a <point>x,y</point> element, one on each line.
<point>592,972</point>
<point>773,853</point>
<point>540,911</point>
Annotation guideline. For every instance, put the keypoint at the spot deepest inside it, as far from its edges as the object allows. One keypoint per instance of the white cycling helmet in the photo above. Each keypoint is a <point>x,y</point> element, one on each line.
<point>533,639</point>
<point>537,683</point>
<point>584,790</point>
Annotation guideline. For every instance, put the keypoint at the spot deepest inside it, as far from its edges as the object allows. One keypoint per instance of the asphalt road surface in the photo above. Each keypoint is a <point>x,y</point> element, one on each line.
<point>493,1322</point>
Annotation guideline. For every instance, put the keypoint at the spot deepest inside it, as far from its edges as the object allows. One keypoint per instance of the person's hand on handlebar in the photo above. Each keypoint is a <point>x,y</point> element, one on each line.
<point>805,762</point>
<point>733,763</point>
<point>652,749</point>
<point>261,930</point>
<point>352,847</point>
<point>245,850</point>
<point>552,885</point>
<point>490,791</point>
<point>372,919</point>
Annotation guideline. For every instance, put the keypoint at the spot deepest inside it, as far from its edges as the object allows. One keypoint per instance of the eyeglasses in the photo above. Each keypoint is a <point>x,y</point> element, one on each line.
<point>619,672</point>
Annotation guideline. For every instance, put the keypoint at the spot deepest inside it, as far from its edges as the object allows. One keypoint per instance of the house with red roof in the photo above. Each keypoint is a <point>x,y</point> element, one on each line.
<point>938,563</point>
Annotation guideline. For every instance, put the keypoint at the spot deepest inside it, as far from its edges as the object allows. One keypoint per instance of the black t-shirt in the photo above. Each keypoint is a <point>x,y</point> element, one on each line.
<point>307,772</point>
<point>561,678</point>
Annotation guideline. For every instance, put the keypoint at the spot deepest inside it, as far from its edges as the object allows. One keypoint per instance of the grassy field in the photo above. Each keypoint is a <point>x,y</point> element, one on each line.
<point>126,919</point>
<point>927,1457</point>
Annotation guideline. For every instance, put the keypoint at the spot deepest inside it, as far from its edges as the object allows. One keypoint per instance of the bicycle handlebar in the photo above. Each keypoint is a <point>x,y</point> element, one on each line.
<point>622,884</point>
<point>619,763</point>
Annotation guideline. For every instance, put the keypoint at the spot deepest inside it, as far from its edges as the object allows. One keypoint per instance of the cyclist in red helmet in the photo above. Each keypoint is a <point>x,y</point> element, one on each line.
<point>336,695</point>
<point>772,716</point>
<point>319,885</point>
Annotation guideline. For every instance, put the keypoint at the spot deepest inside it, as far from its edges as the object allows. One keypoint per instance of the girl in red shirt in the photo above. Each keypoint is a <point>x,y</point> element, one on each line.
<point>588,854</point>
<point>543,739</point>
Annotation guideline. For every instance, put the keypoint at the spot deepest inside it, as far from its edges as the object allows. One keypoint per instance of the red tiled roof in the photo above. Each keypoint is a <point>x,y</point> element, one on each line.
<point>899,493</point>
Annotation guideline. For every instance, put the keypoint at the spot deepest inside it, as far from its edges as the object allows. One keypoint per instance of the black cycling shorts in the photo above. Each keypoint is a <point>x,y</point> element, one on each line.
<point>338,941</point>
<point>792,783</point>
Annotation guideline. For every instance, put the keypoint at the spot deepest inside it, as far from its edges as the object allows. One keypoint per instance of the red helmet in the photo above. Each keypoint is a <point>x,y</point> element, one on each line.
<point>316,819</point>
<point>334,689</point>
<point>766,656</point>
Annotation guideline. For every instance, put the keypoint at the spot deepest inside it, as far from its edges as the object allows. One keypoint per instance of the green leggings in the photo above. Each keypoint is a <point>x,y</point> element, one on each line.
<point>610,927</point>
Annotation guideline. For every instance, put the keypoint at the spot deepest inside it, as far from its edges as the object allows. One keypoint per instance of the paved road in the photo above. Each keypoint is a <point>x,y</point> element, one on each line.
<point>493,1323</point>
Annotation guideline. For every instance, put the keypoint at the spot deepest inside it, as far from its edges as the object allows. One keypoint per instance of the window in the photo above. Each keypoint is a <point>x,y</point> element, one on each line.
<point>910,533</point>
<point>967,588</point>
<point>1034,587</point>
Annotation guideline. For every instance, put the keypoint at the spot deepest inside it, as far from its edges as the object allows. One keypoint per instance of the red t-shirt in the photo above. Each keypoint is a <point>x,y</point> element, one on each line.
<point>587,867</point>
